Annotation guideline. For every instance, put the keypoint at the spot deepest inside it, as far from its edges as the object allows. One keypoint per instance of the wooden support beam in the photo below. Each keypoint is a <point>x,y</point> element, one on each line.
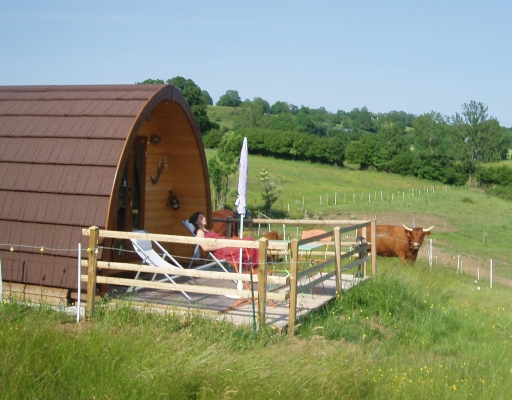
<point>294,266</point>
<point>92,252</point>
<point>262,281</point>
<point>337,256</point>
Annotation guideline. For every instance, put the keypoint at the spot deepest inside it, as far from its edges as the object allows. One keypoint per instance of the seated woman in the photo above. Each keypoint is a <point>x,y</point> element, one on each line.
<point>230,254</point>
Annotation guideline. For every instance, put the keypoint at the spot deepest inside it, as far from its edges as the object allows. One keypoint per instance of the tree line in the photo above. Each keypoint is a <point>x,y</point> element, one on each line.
<point>449,149</point>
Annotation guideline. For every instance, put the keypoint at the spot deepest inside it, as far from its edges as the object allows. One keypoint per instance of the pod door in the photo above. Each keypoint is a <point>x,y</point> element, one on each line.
<point>131,195</point>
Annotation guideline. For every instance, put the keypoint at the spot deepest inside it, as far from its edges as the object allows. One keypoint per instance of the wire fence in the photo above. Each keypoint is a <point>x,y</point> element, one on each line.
<point>489,270</point>
<point>343,198</point>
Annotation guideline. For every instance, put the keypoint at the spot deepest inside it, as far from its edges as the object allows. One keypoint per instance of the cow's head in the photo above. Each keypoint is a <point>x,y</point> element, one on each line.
<point>416,236</point>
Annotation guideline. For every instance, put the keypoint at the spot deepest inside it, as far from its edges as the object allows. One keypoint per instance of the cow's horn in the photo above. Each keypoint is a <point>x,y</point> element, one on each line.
<point>406,227</point>
<point>427,230</point>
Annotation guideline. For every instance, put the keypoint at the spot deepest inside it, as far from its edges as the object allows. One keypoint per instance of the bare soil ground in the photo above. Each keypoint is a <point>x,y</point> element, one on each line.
<point>472,266</point>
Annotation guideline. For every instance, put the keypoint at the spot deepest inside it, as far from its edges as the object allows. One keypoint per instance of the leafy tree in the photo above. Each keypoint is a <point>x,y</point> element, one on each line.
<point>335,150</point>
<point>304,123</point>
<point>222,165</point>
<point>282,122</point>
<point>399,117</point>
<point>490,176</point>
<point>391,140</point>
<point>455,174</point>
<point>229,99</point>
<point>432,134</point>
<point>293,109</point>
<point>280,107</point>
<point>151,82</point>
<point>339,117</point>
<point>362,119</point>
<point>207,98</point>
<point>316,151</point>
<point>212,139</point>
<point>302,143</point>
<point>362,151</point>
<point>253,114</point>
<point>261,106</point>
<point>433,147</point>
<point>402,163</point>
<point>270,192</point>
<point>480,138</point>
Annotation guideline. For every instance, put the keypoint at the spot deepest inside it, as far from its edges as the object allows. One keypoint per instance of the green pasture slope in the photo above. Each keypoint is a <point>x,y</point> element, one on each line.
<point>467,222</point>
<point>414,332</point>
<point>224,116</point>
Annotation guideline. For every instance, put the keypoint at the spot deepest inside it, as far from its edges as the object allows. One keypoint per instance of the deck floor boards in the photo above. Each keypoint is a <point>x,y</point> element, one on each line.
<point>222,307</point>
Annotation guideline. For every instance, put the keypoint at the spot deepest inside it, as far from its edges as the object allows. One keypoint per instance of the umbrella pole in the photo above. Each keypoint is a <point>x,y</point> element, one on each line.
<point>240,284</point>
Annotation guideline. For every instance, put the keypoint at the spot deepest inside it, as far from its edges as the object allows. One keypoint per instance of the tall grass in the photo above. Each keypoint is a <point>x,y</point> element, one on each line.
<point>413,332</point>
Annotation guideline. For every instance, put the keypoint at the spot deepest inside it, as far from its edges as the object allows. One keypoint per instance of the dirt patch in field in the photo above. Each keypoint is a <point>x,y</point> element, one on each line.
<point>410,219</point>
<point>472,266</point>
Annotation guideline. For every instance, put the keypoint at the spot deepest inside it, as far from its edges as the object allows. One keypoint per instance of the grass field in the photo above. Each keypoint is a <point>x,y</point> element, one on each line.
<point>467,222</point>
<point>414,332</point>
<point>224,116</point>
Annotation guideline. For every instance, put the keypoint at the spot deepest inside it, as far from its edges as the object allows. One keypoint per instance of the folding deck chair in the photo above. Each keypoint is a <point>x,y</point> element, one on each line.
<point>320,243</point>
<point>144,248</point>
<point>196,255</point>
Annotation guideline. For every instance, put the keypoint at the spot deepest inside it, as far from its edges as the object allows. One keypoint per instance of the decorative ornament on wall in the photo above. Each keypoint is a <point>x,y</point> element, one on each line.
<point>155,139</point>
<point>160,168</point>
<point>173,201</point>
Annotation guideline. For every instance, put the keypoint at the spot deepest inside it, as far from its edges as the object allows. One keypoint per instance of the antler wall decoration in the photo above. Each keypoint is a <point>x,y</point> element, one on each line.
<point>160,169</point>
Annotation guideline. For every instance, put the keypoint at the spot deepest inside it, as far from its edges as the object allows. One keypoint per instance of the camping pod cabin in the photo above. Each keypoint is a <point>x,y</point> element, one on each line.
<point>72,157</point>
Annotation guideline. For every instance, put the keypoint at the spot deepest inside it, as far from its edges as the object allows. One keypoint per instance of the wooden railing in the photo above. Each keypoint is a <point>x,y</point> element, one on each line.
<point>285,288</point>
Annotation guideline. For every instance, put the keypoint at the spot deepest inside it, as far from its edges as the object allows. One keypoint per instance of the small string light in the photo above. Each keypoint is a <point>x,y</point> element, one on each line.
<point>42,249</point>
<point>12,248</point>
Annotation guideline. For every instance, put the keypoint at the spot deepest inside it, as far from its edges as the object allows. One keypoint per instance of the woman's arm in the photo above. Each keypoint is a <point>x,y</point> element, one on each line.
<point>207,247</point>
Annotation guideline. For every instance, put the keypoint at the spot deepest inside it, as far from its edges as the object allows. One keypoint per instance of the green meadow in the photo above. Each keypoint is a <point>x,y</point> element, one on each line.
<point>416,331</point>
<point>467,222</point>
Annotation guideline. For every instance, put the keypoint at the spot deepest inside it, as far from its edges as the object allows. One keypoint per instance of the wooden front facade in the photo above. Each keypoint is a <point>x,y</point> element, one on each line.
<point>80,156</point>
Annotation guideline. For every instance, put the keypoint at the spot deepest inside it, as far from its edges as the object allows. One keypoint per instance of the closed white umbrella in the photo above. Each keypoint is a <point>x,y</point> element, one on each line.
<point>240,202</point>
<point>242,185</point>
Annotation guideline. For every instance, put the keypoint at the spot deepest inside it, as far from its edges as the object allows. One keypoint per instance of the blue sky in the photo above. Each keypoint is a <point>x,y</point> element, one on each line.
<point>412,56</point>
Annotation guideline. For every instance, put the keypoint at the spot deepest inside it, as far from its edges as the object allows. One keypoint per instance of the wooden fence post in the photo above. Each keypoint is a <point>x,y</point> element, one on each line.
<point>292,313</point>
<point>262,281</point>
<point>337,255</point>
<point>92,268</point>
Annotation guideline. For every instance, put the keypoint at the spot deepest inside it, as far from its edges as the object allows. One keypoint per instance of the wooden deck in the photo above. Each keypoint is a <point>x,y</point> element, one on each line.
<point>238,312</point>
<point>296,284</point>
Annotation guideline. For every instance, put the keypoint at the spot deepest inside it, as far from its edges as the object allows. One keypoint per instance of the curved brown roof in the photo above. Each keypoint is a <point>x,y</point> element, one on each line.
<point>61,148</point>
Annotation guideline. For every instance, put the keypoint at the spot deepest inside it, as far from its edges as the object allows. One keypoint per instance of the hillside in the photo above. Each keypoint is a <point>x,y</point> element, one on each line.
<point>415,332</point>
<point>467,222</point>
<point>224,116</point>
